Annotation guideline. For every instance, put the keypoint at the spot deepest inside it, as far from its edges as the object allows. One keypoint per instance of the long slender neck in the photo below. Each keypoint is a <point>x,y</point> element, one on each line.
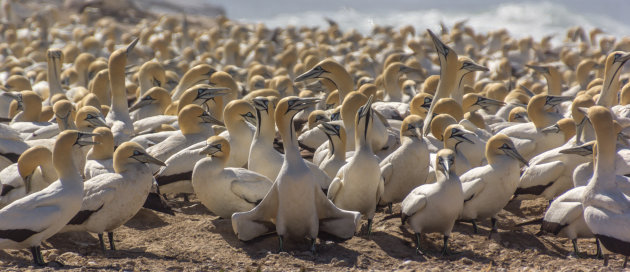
<point>265,130</point>
<point>54,84</point>
<point>392,88</point>
<point>67,170</point>
<point>554,85</point>
<point>362,139</point>
<point>606,150</point>
<point>32,112</point>
<point>608,97</point>
<point>289,138</point>
<point>145,84</point>
<point>339,147</point>
<point>119,94</point>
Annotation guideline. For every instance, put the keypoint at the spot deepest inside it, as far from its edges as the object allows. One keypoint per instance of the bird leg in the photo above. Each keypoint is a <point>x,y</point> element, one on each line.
<point>575,248</point>
<point>474,223</point>
<point>280,249</point>
<point>605,259</point>
<point>418,250</point>
<point>110,235</point>
<point>313,241</point>
<point>37,256</point>
<point>445,251</point>
<point>102,242</point>
<point>369,228</point>
<point>494,227</point>
<point>390,205</point>
<point>625,262</point>
<point>599,255</point>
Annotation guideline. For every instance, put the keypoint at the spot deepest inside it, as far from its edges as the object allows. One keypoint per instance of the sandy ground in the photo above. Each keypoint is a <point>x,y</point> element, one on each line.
<point>196,240</point>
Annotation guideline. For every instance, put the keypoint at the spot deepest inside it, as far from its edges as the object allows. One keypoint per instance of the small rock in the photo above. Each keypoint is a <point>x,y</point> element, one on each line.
<point>467,261</point>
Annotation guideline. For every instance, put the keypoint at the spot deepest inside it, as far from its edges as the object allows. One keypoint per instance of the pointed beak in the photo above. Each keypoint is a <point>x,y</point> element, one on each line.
<point>551,129</point>
<point>539,69</point>
<point>461,136</point>
<point>623,58</point>
<point>97,121</point>
<point>367,107</point>
<point>132,45</point>
<point>527,90</point>
<point>313,73</point>
<point>510,151</point>
<point>446,168</point>
<point>408,70</point>
<point>552,101</point>
<point>209,150</point>
<point>208,93</point>
<point>475,67</point>
<point>207,118</point>
<point>304,103</point>
<point>441,48</point>
<point>487,102</point>
<point>143,102</point>
<point>146,158</point>
<point>83,142</point>
<point>582,150</point>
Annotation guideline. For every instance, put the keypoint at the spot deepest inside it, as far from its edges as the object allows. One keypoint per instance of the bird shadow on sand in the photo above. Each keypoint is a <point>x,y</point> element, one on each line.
<point>146,219</point>
<point>328,247</point>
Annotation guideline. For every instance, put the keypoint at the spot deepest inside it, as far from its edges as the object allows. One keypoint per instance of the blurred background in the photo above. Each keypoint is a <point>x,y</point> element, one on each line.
<point>520,18</point>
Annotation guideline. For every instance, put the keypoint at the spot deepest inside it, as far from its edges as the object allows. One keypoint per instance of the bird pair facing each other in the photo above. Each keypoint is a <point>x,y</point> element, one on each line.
<point>28,221</point>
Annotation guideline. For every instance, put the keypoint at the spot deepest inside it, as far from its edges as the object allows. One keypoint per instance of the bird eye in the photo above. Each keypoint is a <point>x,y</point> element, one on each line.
<point>426,100</point>
<point>136,153</point>
<point>410,126</point>
<point>291,102</point>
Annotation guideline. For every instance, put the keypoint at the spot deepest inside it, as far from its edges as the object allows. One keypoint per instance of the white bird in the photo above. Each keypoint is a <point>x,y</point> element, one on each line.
<point>118,116</point>
<point>295,203</point>
<point>100,159</point>
<point>263,157</point>
<point>29,220</point>
<point>408,166</point>
<point>337,148</point>
<point>358,185</point>
<point>111,199</point>
<point>434,207</point>
<point>528,137</point>
<point>33,172</point>
<point>238,116</point>
<point>606,205</point>
<point>488,188</point>
<point>194,128</point>
<point>225,191</point>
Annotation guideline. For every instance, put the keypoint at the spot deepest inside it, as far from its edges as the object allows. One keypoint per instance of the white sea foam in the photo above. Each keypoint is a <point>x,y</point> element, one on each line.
<point>536,19</point>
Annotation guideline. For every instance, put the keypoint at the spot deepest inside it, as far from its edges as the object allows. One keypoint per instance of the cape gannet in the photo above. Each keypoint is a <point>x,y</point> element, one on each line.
<point>111,199</point>
<point>435,207</point>
<point>295,202</point>
<point>34,218</point>
<point>225,191</point>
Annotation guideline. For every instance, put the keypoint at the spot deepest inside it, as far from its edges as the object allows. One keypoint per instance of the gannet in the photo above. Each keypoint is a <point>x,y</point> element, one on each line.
<point>118,117</point>
<point>448,72</point>
<point>330,69</point>
<point>435,207</point>
<point>606,207</point>
<point>100,159</point>
<point>295,203</point>
<point>336,157</point>
<point>151,74</point>
<point>111,199</point>
<point>34,218</point>
<point>488,188</point>
<point>238,116</point>
<point>408,166</point>
<point>33,172</point>
<point>467,145</point>
<point>225,191</point>
<point>613,64</point>
<point>54,58</point>
<point>193,76</point>
<point>311,136</point>
<point>263,157</point>
<point>153,102</point>
<point>64,114</point>
<point>194,128</point>
<point>528,138</point>
<point>358,185</point>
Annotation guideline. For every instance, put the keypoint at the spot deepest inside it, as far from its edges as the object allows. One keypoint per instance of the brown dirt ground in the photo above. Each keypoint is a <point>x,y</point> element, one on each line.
<point>196,240</point>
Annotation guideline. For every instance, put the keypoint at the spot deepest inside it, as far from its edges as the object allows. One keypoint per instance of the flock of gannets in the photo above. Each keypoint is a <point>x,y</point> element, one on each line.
<point>299,131</point>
